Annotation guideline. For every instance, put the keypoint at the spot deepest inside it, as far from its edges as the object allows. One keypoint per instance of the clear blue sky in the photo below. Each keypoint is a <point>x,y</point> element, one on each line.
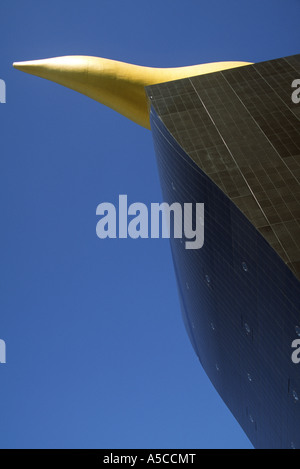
<point>97,353</point>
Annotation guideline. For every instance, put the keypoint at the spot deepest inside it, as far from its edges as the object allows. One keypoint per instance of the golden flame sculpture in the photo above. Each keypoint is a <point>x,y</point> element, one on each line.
<point>119,85</point>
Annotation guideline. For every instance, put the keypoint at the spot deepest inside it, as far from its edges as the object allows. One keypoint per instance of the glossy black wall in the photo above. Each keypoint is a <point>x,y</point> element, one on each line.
<point>231,140</point>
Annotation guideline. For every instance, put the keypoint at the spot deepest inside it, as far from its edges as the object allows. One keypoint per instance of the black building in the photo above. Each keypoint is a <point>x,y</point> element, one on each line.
<point>231,140</point>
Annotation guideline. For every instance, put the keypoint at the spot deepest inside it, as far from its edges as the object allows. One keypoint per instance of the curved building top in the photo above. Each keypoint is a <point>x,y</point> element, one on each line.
<point>241,127</point>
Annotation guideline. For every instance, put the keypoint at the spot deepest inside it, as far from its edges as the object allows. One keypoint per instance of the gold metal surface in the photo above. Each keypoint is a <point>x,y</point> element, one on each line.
<point>119,85</point>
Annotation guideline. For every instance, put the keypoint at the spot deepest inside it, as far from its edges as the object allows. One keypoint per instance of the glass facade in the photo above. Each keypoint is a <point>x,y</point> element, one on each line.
<point>231,140</point>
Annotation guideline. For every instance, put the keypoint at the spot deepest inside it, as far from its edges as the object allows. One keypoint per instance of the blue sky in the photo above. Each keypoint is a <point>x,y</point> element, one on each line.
<point>97,353</point>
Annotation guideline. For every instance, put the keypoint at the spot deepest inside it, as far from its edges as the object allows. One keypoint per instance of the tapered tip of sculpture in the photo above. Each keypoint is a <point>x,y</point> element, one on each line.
<point>18,65</point>
<point>25,66</point>
<point>34,67</point>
